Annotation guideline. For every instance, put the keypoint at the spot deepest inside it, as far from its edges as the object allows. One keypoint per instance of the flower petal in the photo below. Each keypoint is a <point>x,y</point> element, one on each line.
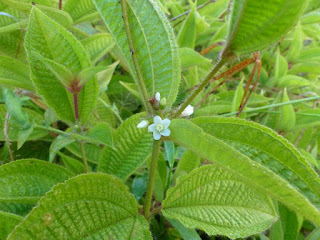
<point>143,124</point>
<point>166,122</point>
<point>166,132</point>
<point>157,120</point>
<point>156,135</point>
<point>152,127</point>
<point>157,96</point>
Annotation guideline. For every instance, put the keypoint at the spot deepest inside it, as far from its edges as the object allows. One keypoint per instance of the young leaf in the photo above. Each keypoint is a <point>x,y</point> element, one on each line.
<point>23,182</point>
<point>43,36</point>
<point>98,45</point>
<point>186,164</point>
<point>79,9</point>
<point>186,233</point>
<point>93,206</point>
<point>187,33</point>
<point>157,50</point>
<point>248,149</point>
<point>297,44</point>
<point>287,119</point>
<point>59,143</point>
<point>218,202</point>
<point>72,164</point>
<point>13,73</point>
<point>132,146</point>
<point>191,58</point>
<point>8,221</point>
<point>254,25</point>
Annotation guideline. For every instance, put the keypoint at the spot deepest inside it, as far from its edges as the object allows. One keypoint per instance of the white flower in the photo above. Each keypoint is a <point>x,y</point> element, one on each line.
<point>188,111</point>
<point>159,127</point>
<point>143,124</point>
<point>157,96</point>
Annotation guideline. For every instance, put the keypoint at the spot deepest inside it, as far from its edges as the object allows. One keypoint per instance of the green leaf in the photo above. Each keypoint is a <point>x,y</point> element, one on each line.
<point>7,223</point>
<point>218,202</point>
<point>89,206</point>
<point>23,182</point>
<point>188,234</point>
<point>281,66</point>
<point>43,36</point>
<point>88,73</point>
<point>59,143</point>
<point>79,9</point>
<point>72,164</point>
<point>98,45</point>
<point>296,44</point>
<point>191,58</point>
<point>105,76</point>
<point>292,81</point>
<point>13,73</point>
<point>187,33</point>
<point>287,119</point>
<point>23,136</point>
<point>310,18</point>
<point>315,235</point>
<point>132,146</point>
<point>14,108</point>
<point>170,151</point>
<point>254,25</point>
<point>261,157</point>
<point>132,88</point>
<point>187,163</point>
<point>157,50</point>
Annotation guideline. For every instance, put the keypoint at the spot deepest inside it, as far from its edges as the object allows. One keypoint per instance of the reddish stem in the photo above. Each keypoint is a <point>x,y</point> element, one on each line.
<point>60,4</point>
<point>76,108</point>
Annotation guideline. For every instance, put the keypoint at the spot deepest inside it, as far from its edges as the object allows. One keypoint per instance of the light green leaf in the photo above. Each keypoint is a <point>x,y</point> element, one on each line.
<point>187,234</point>
<point>54,42</point>
<point>78,9</point>
<point>310,18</point>
<point>132,146</point>
<point>23,182</point>
<point>91,206</point>
<point>296,44</point>
<point>98,45</point>
<point>261,157</point>
<point>72,164</point>
<point>310,54</point>
<point>157,50</point>
<point>105,76</point>
<point>281,66</point>
<point>88,73</point>
<point>187,163</point>
<point>287,118</point>
<point>218,202</point>
<point>132,88</point>
<point>191,58</point>
<point>292,81</point>
<point>236,101</point>
<point>315,235</point>
<point>170,152</point>
<point>59,143</point>
<point>14,26</point>
<point>187,33</point>
<point>254,25</point>
<point>23,136</point>
<point>13,73</point>
<point>7,223</point>
<point>62,74</point>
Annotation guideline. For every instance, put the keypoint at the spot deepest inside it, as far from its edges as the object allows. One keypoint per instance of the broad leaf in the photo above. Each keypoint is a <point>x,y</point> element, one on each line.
<point>8,221</point>
<point>187,163</point>
<point>132,146</point>
<point>89,206</point>
<point>261,157</point>
<point>13,73</point>
<point>79,9</point>
<point>156,48</point>
<point>255,25</point>
<point>54,42</point>
<point>23,182</point>
<point>219,202</point>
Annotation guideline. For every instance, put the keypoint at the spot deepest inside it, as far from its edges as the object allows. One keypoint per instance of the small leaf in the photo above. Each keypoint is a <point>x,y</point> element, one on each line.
<point>287,119</point>
<point>292,81</point>
<point>186,233</point>
<point>132,146</point>
<point>187,33</point>
<point>170,151</point>
<point>296,44</point>
<point>218,202</point>
<point>78,9</point>
<point>105,76</point>
<point>23,182</point>
<point>191,58</point>
<point>255,25</point>
<point>187,163</point>
<point>24,134</point>
<point>72,164</point>
<point>59,143</point>
<point>132,88</point>
<point>94,205</point>
<point>88,73</point>
<point>8,221</point>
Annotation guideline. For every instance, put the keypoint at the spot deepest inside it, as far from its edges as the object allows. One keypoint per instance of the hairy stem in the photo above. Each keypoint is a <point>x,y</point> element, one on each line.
<point>6,136</point>
<point>141,85</point>
<point>76,107</point>
<point>84,158</point>
<point>216,68</point>
<point>151,177</point>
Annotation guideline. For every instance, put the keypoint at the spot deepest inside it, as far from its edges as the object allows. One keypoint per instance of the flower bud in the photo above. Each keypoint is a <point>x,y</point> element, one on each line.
<point>188,111</point>
<point>143,124</point>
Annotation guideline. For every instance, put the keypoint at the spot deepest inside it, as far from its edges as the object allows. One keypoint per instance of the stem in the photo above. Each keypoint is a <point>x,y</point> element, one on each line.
<point>141,85</point>
<point>187,12</point>
<point>76,107</point>
<point>152,176</point>
<point>60,4</point>
<point>111,108</point>
<point>6,136</point>
<point>273,106</point>
<point>84,158</point>
<point>216,68</point>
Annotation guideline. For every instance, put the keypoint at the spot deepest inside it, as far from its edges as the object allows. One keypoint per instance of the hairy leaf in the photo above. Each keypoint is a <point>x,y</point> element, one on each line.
<point>132,146</point>
<point>23,182</point>
<point>219,202</point>
<point>7,223</point>
<point>54,42</point>
<point>89,206</point>
<point>255,25</point>
<point>79,9</point>
<point>261,157</point>
<point>156,48</point>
